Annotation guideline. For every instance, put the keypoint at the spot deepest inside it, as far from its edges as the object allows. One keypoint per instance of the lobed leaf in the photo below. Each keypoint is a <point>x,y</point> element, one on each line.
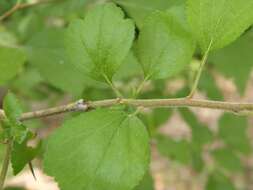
<point>217,23</point>
<point>164,47</point>
<point>98,45</point>
<point>17,131</point>
<point>12,107</point>
<point>98,150</point>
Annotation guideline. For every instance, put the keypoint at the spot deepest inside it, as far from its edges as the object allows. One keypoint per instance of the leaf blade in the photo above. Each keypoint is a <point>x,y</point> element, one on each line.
<point>107,141</point>
<point>94,46</point>
<point>218,22</point>
<point>159,36</point>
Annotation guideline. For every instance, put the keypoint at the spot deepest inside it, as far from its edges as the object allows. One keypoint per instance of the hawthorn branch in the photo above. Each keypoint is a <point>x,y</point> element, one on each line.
<point>78,106</point>
<point>19,6</point>
<point>83,106</point>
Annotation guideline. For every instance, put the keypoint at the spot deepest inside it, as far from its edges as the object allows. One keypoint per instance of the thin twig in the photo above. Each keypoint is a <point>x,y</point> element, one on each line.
<point>19,6</point>
<point>5,164</point>
<point>80,105</point>
<point>83,106</point>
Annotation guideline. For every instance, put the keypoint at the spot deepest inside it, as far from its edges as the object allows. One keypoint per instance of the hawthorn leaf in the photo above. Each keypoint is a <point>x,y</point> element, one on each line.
<point>13,111</point>
<point>98,45</point>
<point>217,23</point>
<point>218,181</point>
<point>11,61</point>
<point>46,52</point>
<point>21,155</point>
<point>12,107</point>
<point>98,150</point>
<point>237,55</point>
<point>233,131</point>
<point>164,47</point>
<point>227,159</point>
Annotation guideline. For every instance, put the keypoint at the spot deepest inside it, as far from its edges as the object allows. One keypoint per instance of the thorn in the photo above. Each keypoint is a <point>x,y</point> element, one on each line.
<point>32,170</point>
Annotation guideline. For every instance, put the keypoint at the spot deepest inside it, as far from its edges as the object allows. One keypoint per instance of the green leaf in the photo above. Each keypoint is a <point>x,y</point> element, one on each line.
<point>130,68</point>
<point>218,22</point>
<point>201,134</point>
<point>138,10</point>
<point>164,47</point>
<point>11,61</point>
<point>19,132</point>
<point>12,107</point>
<point>98,45</point>
<point>98,150</point>
<point>217,181</point>
<point>173,149</point>
<point>46,52</point>
<point>147,183</point>
<point>21,155</point>
<point>233,131</point>
<point>237,55</point>
<point>13,111</point>
<point>227,159</point>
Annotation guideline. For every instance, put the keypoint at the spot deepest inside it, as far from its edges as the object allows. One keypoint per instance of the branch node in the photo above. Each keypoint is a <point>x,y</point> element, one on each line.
<point>120,101</point>
<point>81,105</point>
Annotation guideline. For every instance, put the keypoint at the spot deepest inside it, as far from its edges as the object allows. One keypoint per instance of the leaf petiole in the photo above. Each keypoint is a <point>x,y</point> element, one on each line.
<point>113,87</point>
<point>202,64</point>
